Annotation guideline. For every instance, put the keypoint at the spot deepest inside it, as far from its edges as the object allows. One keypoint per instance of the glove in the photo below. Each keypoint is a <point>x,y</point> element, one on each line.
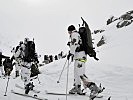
<point>68,44</point>
<point>93,54</point>
<point>69,55</point>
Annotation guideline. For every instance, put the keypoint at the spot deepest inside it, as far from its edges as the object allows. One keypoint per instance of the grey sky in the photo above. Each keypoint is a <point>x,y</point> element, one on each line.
<point>47,20</point>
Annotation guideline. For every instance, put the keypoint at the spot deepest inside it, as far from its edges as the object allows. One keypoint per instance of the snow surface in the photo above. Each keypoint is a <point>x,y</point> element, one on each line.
<point>114,71</point>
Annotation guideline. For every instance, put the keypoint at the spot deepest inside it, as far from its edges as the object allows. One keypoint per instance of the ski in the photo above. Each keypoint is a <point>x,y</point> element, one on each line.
<point>35,91</point>
<point>27,95</point>
<point>55,93</point>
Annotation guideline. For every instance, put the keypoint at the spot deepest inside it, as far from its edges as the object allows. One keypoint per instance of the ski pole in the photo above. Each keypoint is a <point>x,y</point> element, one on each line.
<point>39,72</point>
<point>61,72</point>
<point>7,86</point>
<point>67,79</point>
<point>38,79</point>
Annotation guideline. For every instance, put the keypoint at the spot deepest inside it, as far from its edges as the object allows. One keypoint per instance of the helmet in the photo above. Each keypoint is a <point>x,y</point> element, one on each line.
<point>71,28</point>
<point>21,42</point>
<point>26,40</point>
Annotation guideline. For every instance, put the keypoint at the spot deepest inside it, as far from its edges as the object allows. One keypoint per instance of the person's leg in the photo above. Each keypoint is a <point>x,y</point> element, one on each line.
<point>2,71</point>
<point>17,68</point>
<point>79,69</point>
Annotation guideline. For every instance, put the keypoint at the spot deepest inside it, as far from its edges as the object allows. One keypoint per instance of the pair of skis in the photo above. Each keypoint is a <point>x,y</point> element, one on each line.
<point>27,95</point>
<point>34,96</point>
<point>97,96</point>
<point>18,86</point>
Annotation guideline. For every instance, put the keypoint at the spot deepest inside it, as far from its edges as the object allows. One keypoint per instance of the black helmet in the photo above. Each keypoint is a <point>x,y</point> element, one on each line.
<point>26,40</point>
<point>71,28</point>
<point>21,42</point>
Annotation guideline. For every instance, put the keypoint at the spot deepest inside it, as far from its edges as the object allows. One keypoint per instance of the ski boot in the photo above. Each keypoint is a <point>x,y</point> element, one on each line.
<point>76,90</point>
<point>91,85</point>
<point>73,90</point>
<point>79,91</point>
<point>93,94</point>
<point>95,90</point>
<point>101,88</point>
<point>29,87</point>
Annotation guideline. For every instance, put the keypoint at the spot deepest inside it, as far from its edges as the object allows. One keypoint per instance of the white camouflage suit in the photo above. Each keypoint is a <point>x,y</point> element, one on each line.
<point>79,57</point>
<point>25,70</point>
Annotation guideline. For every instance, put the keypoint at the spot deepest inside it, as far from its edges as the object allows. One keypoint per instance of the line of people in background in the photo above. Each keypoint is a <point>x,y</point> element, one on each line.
<point>50,58</point>
<point>25,61</point>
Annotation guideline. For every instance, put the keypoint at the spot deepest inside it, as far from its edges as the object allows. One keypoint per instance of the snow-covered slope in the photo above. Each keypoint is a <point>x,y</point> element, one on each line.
<point>118,46</point>
<point>114,70</point>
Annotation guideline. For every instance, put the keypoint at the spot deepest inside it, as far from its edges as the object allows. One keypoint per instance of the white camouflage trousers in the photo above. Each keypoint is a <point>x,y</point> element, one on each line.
<point>18,64</point>
<point>1,69</point>
<point>25,73</point>
<point>79,69</point>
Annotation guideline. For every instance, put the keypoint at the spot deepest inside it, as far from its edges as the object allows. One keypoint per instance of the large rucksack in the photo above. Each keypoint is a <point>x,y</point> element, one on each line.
<point>86,38</point>
<point>8,67</point>
<point>29,52</point>
<point>34,70</point>
<point>0,59</point>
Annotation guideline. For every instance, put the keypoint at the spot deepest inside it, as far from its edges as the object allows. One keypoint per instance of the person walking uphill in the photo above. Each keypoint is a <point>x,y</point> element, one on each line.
<point>81,45</point>
<point>79,57</point>
<point>28,59</point>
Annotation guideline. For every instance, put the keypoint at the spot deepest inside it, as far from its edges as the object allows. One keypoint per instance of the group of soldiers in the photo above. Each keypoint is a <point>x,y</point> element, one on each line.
<point>50,58</point>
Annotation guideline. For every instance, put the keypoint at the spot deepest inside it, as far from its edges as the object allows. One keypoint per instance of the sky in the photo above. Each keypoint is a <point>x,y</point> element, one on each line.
<point>47,20</point>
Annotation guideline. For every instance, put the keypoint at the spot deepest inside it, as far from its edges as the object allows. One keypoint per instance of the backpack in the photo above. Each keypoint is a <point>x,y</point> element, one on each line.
<point>29,52</point>
<point>86,38</point>
<point>34,70</point>
<point>8,64</point>
<point>0,59</point>
<point>17,49</point>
